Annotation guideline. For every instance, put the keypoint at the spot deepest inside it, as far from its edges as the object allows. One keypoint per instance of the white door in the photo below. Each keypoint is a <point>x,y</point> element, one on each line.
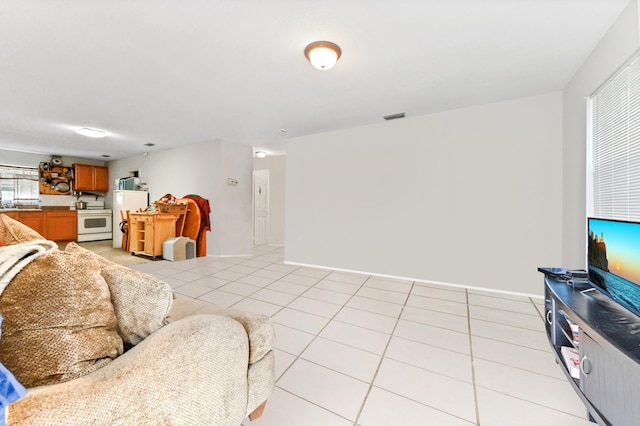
<point>260,207</point>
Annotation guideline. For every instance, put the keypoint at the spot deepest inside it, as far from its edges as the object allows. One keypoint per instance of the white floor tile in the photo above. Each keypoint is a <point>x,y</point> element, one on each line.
<point>187,275</point>
<point>258,306</point>
<point>509,334</point>
<point>210,282</point>
<point>344,359</point>
<point>542,390</point>
<point>346,277</point>
<point>391,285</point>
<point>272,296</point>
<point>443,393</point>
<point>300,320</point>
<point>436,336</point>
<point>432,358</point>
<point>313,272</point>
<point>384,295</point>
<point>317,307</point>
<point>290,340</point>
<point>270,273</point>
<point>498,409</point>
<point>243,269</point>
<point>300,279</point>
<point>384,408</point>
<point>523,306</point>
<point>377,322</point>
<point>332,329</point>
<point>255,280</point>
<point>283,361</point>
<point>286,409</point>
<point>193,290</point>
<point>515,319</point>
<point>286,287</point>
<point>333,391</point>
<point>444,293</point>
<point>375,306</point>
<point>285,269</point>
<point>327,296</point>
<point>438,319</point>
<point>440,286</point>
<point>439,305</point>
<point>368,340</point>
<point>221,298</point>
<point>338,286</point>
<point>228,275</point>
<point>534,360</point>
<point>239,288</point>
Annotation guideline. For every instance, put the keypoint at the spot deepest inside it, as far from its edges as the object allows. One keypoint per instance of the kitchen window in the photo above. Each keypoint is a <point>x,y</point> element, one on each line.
<point>19,187</point>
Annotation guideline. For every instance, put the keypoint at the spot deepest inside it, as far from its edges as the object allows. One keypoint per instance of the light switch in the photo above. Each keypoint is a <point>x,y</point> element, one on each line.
<point>231,181</point>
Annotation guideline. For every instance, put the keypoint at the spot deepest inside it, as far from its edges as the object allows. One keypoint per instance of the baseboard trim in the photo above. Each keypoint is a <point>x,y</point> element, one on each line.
<point>417,280</point>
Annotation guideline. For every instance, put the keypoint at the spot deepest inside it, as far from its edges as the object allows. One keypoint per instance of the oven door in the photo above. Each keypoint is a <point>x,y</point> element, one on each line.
<point>94,226</point>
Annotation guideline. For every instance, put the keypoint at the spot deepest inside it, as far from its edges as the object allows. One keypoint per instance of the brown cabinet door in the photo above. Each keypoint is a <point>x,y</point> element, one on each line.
<point>62,226</point>
<point>101,176</point>
<point>34,220</point>
<point>83,177</point>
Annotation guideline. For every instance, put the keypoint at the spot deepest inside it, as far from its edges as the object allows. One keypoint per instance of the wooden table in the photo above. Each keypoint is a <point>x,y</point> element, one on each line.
<point>149,230</point>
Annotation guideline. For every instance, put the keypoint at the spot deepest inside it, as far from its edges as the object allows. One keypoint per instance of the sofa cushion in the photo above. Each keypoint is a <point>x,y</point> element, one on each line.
<point>13,232</point>
<point>59,323</point>
<point>141,301</point>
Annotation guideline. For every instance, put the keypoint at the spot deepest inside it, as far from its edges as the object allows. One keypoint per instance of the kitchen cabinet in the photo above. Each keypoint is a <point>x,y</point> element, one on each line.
<point>61,225</point>
<point>34,220</point>
<point>90,178</point>
<point>148,232</point>
<point>54,225</point>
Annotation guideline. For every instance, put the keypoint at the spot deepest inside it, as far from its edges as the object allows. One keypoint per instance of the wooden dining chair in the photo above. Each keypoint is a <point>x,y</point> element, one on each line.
<point>125,230</point>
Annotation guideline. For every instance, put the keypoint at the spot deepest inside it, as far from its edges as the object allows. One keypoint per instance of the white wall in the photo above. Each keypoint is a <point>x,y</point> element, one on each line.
<point>468,197</point>
<point>202,169</point>
<point>618,45</point>
<point>276,165</point>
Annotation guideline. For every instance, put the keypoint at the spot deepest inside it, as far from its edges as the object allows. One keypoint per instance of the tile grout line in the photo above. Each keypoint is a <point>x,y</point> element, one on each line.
<point>316,335</point>
<point>471,359</point>
<point>382,357</point>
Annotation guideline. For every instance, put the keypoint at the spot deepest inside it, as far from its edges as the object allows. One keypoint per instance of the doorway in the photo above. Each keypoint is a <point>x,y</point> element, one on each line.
<point>261,207</point>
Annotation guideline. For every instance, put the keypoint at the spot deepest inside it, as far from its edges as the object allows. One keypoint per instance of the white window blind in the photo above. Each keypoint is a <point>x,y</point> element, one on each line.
<point>615,139</point>
<point>18,186</point>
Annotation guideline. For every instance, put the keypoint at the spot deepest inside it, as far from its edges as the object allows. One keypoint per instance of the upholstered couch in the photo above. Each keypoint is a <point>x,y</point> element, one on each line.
<point>97,343</point>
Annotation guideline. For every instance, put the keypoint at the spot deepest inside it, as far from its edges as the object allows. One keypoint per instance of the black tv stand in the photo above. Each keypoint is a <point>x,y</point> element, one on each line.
<point>607,339</point>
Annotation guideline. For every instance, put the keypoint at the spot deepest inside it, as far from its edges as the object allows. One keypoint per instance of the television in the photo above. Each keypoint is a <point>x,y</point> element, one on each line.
<point>613,260</point>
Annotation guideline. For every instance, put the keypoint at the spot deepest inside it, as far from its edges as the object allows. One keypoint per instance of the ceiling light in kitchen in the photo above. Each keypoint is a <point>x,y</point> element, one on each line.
<point>261,154</point>
<point>92,133</point>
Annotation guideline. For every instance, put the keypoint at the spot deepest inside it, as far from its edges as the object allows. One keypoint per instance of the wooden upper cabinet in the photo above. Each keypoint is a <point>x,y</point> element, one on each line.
<point>90,178</point>
<point>101,178</point>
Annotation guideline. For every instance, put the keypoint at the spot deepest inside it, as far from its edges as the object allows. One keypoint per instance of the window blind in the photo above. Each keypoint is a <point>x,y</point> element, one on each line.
<point>615,149</point>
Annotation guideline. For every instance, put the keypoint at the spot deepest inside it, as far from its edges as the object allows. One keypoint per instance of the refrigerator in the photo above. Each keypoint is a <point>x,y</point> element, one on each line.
<point>126,200</point>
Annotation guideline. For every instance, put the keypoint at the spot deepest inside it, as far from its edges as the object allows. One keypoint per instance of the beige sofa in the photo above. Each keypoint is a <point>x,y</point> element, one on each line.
<point>107,345</point>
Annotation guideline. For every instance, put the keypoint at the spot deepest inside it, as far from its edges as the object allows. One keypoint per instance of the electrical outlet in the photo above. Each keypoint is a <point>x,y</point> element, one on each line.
<point>231,181</point>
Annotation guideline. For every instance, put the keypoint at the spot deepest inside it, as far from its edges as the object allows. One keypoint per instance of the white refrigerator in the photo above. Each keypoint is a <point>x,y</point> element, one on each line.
<point>126,200</point>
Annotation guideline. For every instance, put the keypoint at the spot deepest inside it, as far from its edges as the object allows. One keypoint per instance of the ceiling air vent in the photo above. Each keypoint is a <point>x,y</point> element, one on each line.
<point>394,116</point>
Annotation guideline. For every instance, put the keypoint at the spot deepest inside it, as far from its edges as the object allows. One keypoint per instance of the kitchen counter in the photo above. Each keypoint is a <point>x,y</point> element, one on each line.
<point>38,209</point>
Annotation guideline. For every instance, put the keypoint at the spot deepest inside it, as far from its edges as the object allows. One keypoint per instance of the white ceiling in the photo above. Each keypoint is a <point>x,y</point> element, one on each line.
<point>174,72</point>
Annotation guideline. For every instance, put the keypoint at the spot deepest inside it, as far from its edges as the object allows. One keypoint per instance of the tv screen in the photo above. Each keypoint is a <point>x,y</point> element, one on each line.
<point>613,254</point>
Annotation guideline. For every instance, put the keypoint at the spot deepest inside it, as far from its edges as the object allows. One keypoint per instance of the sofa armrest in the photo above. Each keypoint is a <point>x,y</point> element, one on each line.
<point>192,371</point>
<point>258,327</point>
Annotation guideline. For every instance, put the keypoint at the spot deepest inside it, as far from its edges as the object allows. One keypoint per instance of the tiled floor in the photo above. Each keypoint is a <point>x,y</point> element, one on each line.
<point>355,349</point>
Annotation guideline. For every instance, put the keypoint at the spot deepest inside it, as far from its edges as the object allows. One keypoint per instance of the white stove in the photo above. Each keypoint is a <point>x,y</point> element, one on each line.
<point>94,222</point>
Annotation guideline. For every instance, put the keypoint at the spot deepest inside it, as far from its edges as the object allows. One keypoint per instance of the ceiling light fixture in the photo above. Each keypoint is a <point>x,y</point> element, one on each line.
<point>261,154</point>
<point>92,133</point>
<point>323,55</point>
